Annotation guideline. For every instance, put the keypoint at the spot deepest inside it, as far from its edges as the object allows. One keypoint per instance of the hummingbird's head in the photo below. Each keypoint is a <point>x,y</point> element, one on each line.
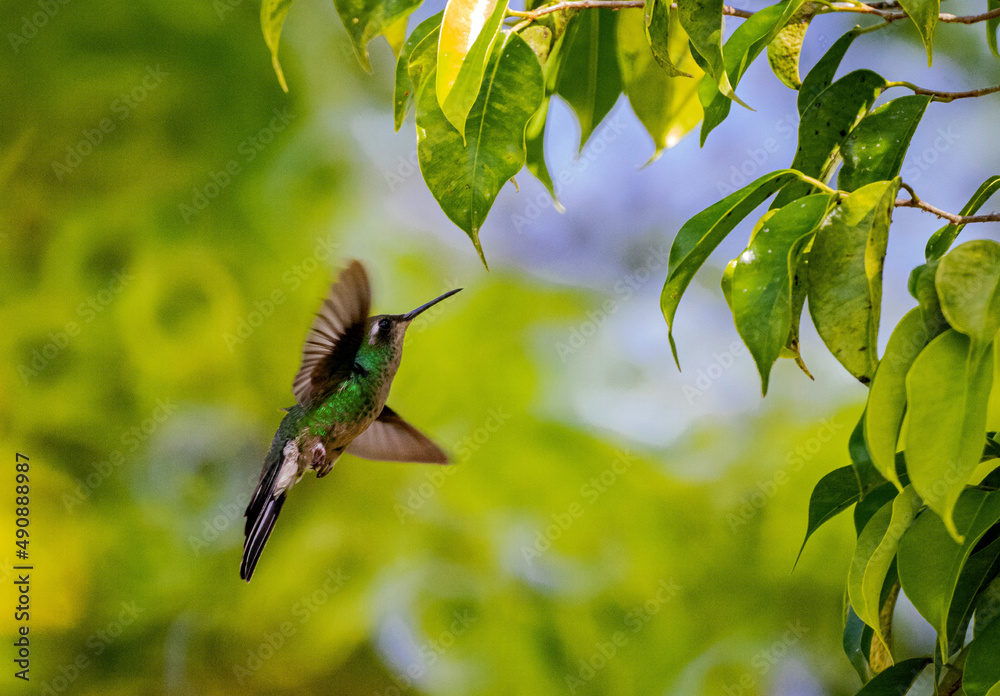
<point>389,329</point>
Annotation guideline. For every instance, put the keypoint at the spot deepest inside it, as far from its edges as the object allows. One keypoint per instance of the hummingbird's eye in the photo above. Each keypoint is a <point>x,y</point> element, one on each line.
<point>383,326</point>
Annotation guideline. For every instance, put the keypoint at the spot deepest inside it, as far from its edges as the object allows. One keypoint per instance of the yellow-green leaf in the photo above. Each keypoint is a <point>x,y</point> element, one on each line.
<point>845,276</point>
<point>921,286</point>
<point>468,32</point>
<point>947,420</point>
<point>763,279</point>
<point>667,106</point>
<point>784,50</point>
<point>395,34</point>
<point>924,14</point>
<point>272,18</point>
<point>874,553</point>
<point>931,562</point>
<point>887,398</point>
<point>968,285</point>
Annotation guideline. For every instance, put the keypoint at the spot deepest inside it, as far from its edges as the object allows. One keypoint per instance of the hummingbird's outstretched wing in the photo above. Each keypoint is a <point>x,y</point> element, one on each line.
<point>391,439</point>
<point>336,335</point>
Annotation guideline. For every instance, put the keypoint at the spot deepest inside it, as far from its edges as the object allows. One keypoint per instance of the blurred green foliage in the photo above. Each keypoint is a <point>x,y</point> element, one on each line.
<point>146,357</point>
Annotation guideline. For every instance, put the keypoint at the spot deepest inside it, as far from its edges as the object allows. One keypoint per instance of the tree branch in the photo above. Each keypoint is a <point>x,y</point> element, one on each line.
<point>610,4</point>
<point>879,9</point>
<point>914,201</point>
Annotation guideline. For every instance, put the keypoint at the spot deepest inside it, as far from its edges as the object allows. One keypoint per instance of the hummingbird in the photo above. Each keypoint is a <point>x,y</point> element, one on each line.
<point>348,363</point>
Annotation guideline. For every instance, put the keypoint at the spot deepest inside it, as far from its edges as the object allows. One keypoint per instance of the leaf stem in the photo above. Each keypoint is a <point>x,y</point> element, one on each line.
<point>817,183</point>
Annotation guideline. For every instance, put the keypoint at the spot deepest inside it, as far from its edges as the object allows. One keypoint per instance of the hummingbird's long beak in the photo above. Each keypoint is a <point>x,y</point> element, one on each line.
<point>410,316</point>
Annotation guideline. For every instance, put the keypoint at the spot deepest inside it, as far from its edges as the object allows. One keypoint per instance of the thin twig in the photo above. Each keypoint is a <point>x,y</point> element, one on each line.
<point>946,96</point>
<point>914,201</point>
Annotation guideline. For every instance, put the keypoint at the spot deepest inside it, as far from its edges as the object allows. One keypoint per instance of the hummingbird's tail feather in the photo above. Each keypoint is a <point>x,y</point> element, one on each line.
<point>257,535</point>
<point>264,506</point>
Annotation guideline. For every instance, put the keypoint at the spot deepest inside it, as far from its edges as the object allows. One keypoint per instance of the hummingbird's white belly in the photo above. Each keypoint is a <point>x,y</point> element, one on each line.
<point>289,472</point>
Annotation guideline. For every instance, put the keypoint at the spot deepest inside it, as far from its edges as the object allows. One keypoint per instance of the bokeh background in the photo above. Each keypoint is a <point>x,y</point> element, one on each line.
<point>169,221</point>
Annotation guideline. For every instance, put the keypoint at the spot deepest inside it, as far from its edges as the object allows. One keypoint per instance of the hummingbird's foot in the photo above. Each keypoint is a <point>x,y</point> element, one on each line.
<point>328,463</point>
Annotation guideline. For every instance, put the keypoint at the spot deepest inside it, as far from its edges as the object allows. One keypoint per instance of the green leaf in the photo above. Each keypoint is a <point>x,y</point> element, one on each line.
<point>822,74</point>
<point>845,276</point>
<point>895,680</point>
<point>947,421</point>
<point>982,668</point>
<point>702,20</point>
<point>534,140</point>
<point>874,150</point>
<point>968,285</point>
<point>826,123</point>
<point>785,49</point>
<point>921,286</point>
<point>469,31</point>
<point>547,41</point>
<point>395,35</point>
<point>742,48</point>
<point>666,38</point>
<point>861,460</point>
<point>799,291</point>
<point>404,90</point>
<point>887,398</point>
<point>930,561</point>
<point>873,555</point>
<point>667,106</point>
<point>854,629</point>
<point>422,61</point>
<point>834,493</point>
<point>981,567</point>
<point>699,236</point>
<point>872,502</point>
<point>539,37</point>
<point>465,177</point>
<point>987,606</point>
<point>727,283</point>
<point>272,18</point>
<point>588,77</point>
<point>992,451</point>
<point>366,19</point>
<point>941,240</point>
<point>991,26</point>
<point>924,14</point>
<point>763,279</point>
